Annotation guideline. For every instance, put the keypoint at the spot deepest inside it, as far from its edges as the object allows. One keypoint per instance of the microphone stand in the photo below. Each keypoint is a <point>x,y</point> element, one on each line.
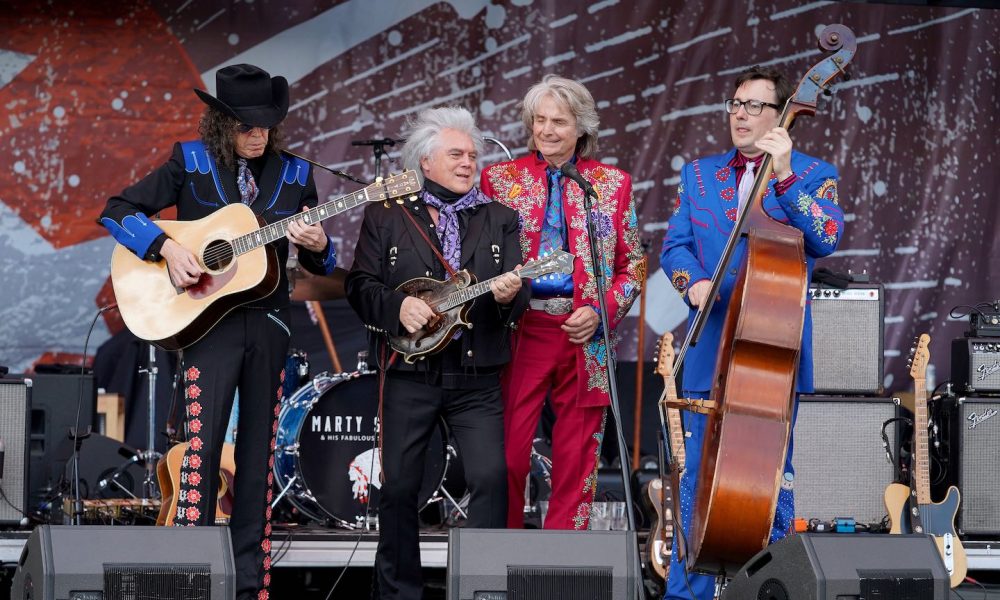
<point>150,456</point>
<point>378,147</point>
<point>596,260</point>
<point>342,174</point>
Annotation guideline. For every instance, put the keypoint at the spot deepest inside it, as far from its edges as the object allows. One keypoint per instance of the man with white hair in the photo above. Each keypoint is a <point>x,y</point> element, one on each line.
<point>452,222</point>
<point>559,347</point>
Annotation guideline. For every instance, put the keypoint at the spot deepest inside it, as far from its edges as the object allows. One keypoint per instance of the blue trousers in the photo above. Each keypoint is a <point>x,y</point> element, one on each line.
<point>682,585</point>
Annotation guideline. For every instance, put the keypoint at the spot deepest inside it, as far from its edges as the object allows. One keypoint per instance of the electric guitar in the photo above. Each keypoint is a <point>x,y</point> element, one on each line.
<point>451,300</point>
<point>660,537</point>
<point>910,507</point>
<point>168,474</point>
<point>233,247</point>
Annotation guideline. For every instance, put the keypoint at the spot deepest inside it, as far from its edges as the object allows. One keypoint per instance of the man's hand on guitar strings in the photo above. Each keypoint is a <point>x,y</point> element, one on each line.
<point>182,266</point>
<point>414,313</point>
<point>506,287</point>
<point>311,237</point>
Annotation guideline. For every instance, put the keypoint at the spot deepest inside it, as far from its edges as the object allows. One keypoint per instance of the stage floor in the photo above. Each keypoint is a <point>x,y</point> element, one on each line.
<point>310,559</point>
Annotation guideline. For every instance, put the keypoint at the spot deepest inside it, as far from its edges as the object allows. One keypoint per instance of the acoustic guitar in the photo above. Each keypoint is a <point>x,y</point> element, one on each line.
<point>661,535</point>
<point>168,474</point>
<point>910,507</point>
<point>451,300</point>
<point>234,248</point>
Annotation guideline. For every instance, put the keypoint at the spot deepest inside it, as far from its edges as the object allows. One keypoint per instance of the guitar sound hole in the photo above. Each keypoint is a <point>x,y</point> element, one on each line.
<point>218,255</point>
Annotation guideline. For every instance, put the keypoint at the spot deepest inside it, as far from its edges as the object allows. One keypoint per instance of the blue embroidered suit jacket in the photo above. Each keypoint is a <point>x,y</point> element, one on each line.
<point>704,216</point>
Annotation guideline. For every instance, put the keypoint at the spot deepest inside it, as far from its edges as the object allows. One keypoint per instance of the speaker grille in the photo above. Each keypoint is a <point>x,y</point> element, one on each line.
<point>559,583</point>
<point>979,478</point>
<point>163,582</point>
<point>840,465</point>
<point>847,340</point>
<point>14,399</point>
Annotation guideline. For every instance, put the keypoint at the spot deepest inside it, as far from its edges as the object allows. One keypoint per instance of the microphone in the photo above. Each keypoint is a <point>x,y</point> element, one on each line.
<point>382,142</point>
<point>569,170</point>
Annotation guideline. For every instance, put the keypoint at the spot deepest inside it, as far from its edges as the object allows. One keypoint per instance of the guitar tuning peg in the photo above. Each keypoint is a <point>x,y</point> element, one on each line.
<point>378,179</point>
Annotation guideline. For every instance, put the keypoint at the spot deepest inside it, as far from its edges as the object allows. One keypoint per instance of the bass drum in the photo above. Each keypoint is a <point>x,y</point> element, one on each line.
<point>326,460</point>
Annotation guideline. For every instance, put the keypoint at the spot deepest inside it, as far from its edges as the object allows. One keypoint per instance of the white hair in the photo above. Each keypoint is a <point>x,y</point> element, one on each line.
<point>576,98</point>
<point>423,134</point>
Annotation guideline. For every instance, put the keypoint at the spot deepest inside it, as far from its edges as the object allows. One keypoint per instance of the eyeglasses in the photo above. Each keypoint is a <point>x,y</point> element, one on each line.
<point>244,128</point>
<point>753,107</point>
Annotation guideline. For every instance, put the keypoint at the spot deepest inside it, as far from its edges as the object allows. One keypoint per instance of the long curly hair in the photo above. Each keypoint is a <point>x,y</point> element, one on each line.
<point>218,132</point>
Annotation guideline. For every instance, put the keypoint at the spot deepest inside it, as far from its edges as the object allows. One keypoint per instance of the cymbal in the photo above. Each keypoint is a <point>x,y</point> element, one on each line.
<point>306,286</point>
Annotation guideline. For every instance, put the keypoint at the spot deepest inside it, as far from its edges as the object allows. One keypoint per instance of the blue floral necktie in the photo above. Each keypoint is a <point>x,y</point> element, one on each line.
<point>244,181</point>
<point>553,232</point>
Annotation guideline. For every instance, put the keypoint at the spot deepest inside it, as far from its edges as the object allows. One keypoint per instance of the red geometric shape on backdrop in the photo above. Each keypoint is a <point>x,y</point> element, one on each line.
<point>107,94</point>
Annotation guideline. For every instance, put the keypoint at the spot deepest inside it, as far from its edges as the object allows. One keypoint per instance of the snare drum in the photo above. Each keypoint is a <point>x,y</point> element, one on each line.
<point>326,455</point>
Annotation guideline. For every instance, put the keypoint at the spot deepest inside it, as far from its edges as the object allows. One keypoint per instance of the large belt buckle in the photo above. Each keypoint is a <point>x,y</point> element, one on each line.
<point>558,306</point>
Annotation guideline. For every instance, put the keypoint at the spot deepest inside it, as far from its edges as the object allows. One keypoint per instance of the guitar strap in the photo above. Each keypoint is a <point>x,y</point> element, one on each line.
<point>437,253</point>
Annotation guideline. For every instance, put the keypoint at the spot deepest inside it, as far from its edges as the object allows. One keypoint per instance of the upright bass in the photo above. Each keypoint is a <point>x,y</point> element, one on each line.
<point>753,393</point>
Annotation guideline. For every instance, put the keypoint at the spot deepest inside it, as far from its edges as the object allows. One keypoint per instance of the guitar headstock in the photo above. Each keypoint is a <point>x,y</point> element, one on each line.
<point>556,262</point>
<point>665,355</point>
<point>394,186</point>
<point>920,356</point>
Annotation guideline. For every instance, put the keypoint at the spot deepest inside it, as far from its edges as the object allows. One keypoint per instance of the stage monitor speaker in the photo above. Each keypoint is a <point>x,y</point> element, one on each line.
<point>839,460</point>
<point>833,566</point>
<point>975,365</point>
<point>534,564</point>
<point>978,434</point>
<point>15,401</point>
<point>848,339</point>
<point>126,563</point>
<point>53,412</point>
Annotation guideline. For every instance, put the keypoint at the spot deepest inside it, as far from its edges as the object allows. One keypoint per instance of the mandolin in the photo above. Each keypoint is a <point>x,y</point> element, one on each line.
<point>910,507</point>
<point>234,248</point>
<point>168,474</point>
<point>451,300</point>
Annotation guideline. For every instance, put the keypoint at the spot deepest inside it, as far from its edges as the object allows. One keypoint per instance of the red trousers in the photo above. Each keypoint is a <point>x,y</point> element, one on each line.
<point>544,362</point>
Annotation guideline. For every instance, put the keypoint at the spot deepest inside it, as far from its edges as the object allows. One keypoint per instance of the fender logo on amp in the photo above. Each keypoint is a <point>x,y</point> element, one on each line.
<point>977,419</point>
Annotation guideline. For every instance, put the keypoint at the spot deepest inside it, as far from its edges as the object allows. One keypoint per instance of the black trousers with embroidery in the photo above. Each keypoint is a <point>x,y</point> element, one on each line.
<point>245,351</point>
<point>411,410</point>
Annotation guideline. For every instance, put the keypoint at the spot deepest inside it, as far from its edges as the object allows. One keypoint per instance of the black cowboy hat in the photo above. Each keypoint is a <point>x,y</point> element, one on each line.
<point>249,95</point>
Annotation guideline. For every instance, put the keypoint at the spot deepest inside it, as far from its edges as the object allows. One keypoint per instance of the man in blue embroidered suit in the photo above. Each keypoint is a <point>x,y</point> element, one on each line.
<point>237,159</point>
<point>802,193</point>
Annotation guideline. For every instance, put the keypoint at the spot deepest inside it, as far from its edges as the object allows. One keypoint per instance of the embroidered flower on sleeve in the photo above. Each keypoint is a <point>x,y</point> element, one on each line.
<point>723,174</point>
<point>728,194</point>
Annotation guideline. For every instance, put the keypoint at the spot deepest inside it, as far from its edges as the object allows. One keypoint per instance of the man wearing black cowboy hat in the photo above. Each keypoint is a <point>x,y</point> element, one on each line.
<point>237,159</point>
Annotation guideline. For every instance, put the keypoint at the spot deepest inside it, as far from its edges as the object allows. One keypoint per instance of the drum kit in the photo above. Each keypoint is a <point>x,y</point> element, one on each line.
<point>326,459</point>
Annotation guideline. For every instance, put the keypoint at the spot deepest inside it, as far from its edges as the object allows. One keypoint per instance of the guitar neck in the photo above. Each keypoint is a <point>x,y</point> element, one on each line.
<point>478,289</point>
<point>279,229</point>
<point>921,453</point>
<point>674,422</point>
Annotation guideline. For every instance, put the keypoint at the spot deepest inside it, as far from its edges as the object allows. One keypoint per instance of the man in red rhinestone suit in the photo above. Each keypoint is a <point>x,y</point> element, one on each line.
<point>559,348</point>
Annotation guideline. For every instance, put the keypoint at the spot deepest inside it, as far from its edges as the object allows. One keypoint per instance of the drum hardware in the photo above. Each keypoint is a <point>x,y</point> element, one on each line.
<point>441,494</point>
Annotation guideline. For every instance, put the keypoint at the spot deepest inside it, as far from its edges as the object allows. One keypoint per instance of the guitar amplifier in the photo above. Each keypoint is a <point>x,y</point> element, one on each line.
<point>975,365</point>
<point>978,434</point>
<point>15,402</point>
<point>840,465</point>
<point>848,339</point>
